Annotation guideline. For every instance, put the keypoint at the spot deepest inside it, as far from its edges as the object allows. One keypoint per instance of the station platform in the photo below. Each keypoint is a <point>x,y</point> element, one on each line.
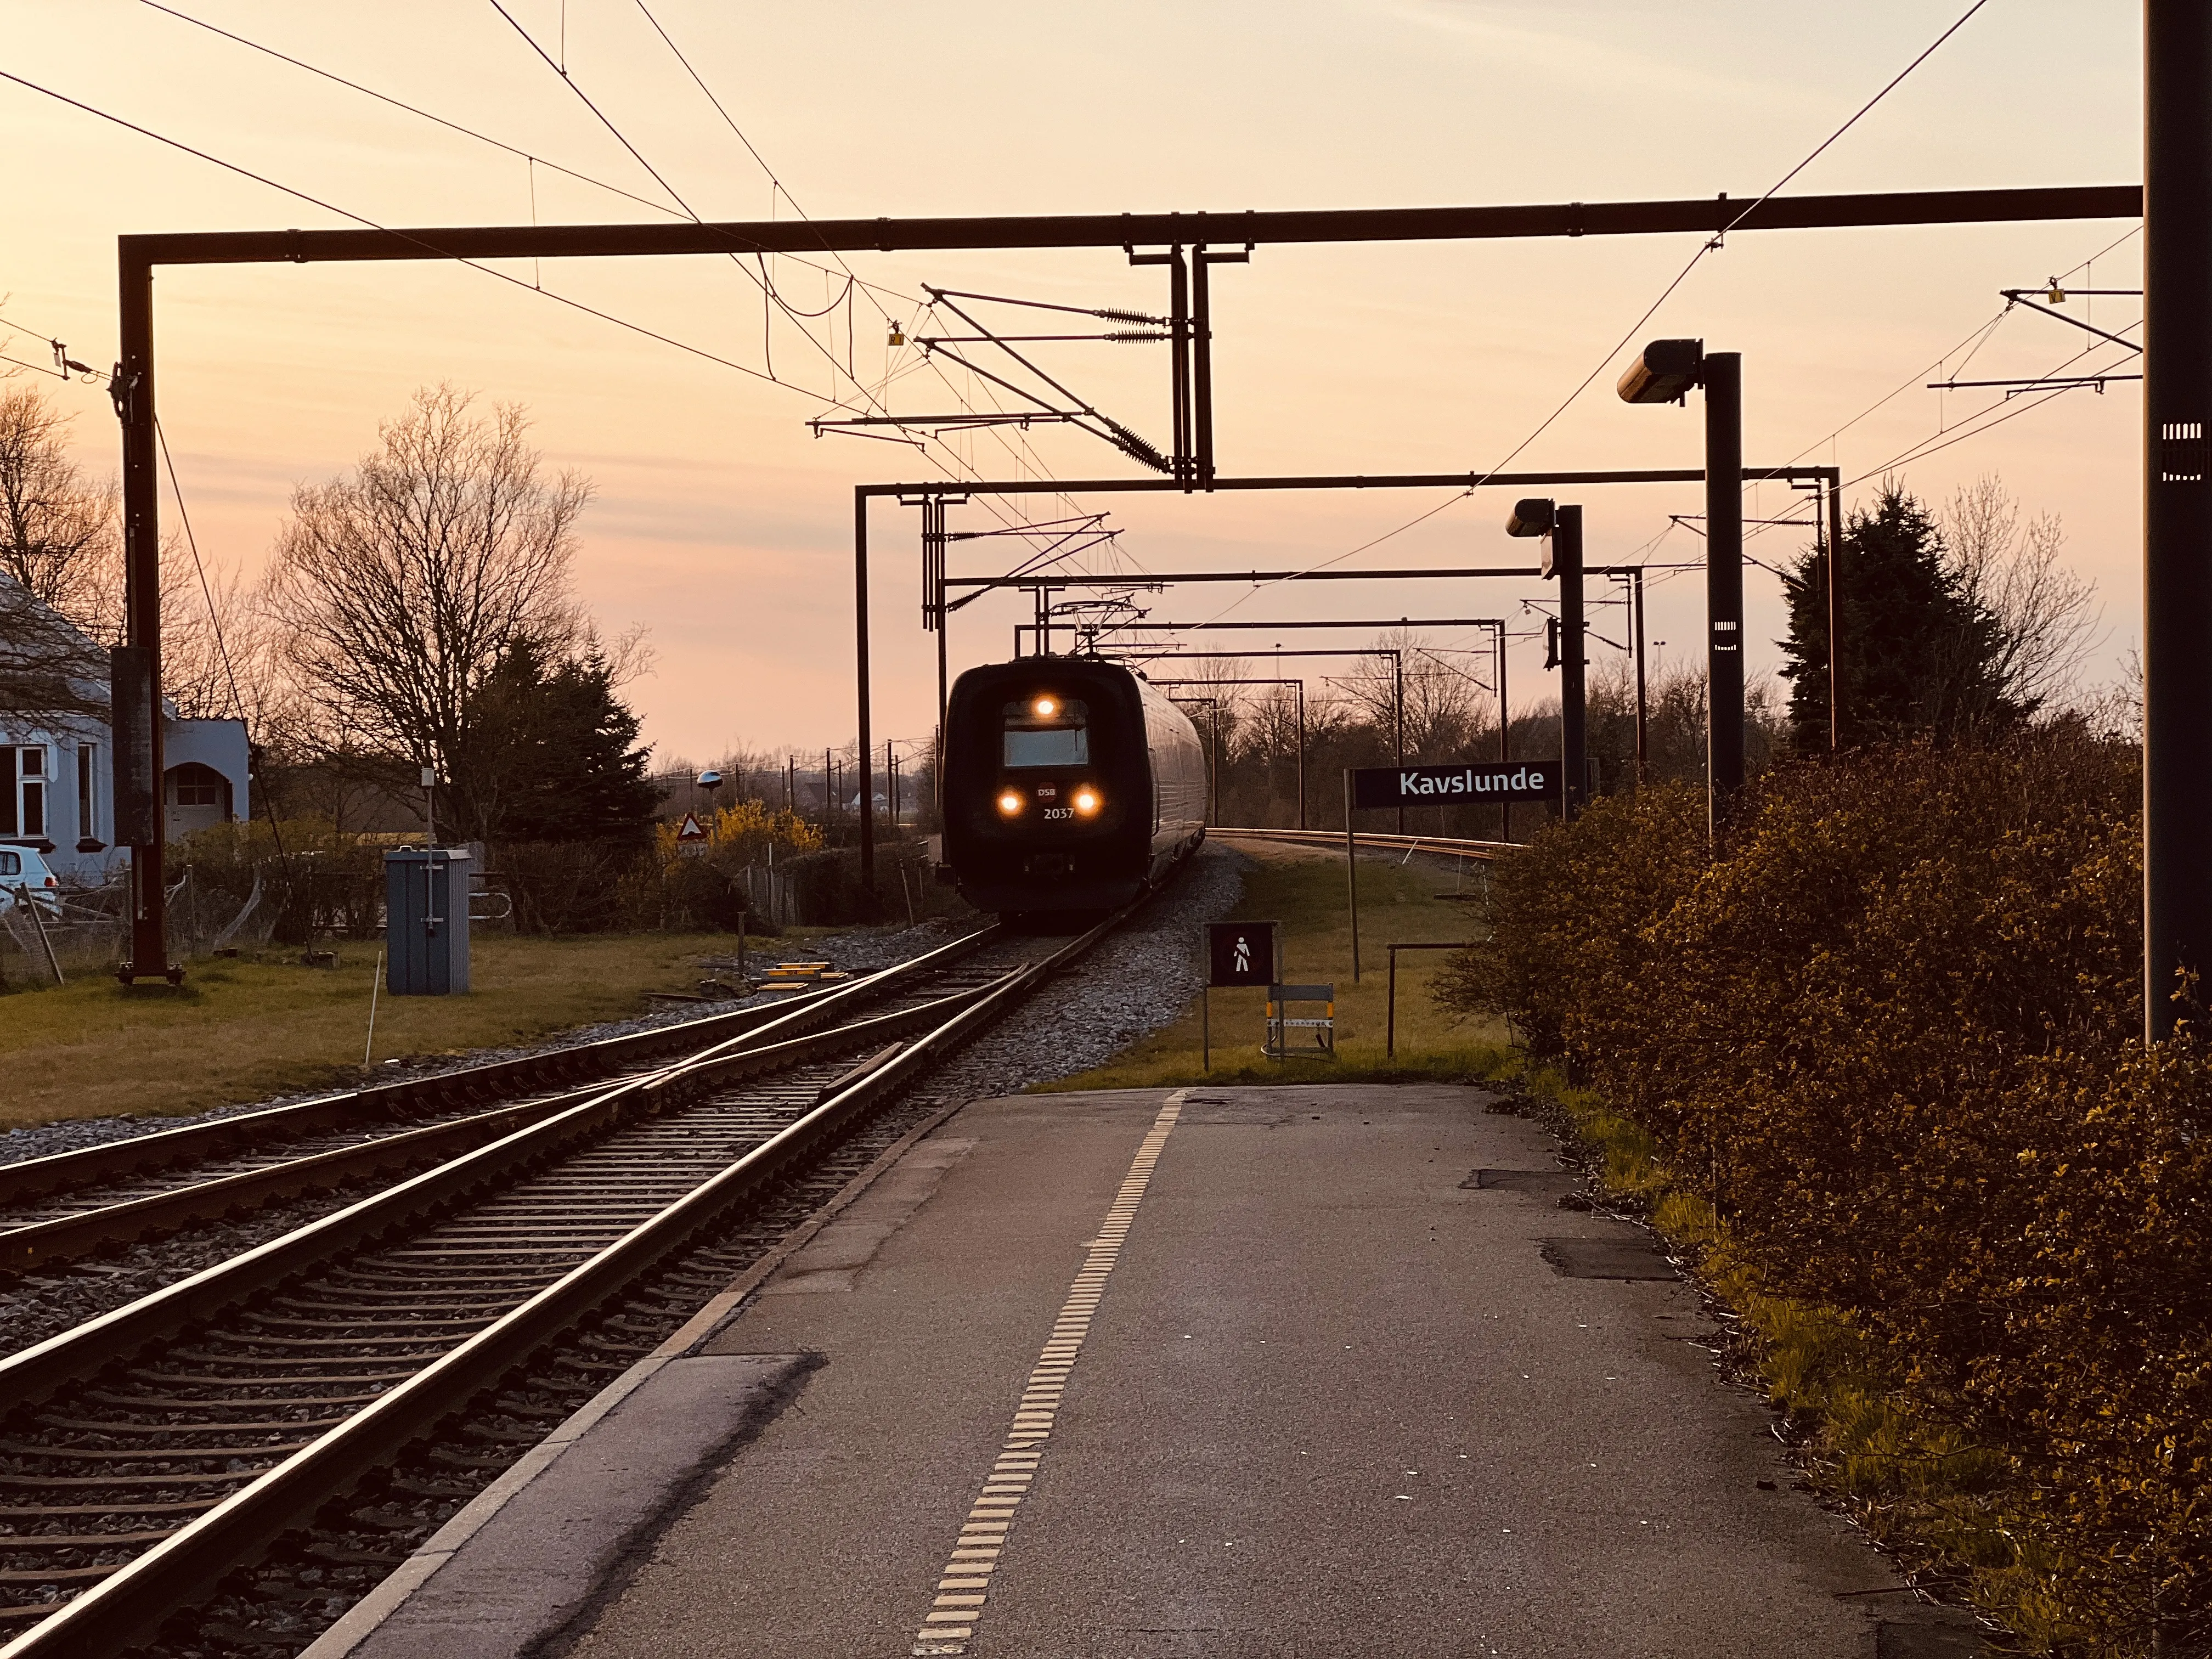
<point>1215,1372</point>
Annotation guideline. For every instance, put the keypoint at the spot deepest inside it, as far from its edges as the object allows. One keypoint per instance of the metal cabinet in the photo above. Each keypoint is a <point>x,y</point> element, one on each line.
<point>426,921</point>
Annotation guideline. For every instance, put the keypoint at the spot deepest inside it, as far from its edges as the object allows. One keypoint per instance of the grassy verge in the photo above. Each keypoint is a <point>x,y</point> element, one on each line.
<point>1302,888</point>
<point>237,1030</point>
<point>1947,1510</point>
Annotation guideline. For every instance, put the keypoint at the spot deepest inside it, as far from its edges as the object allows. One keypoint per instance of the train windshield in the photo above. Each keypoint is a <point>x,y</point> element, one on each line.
<point>1047,732</point>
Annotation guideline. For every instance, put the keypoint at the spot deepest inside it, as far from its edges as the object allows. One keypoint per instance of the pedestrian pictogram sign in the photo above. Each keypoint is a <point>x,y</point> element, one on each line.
<point>689,829</point>
<point>1240,953</point>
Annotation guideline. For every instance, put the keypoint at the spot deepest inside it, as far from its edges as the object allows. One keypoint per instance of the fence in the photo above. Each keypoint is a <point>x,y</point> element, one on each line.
<point>773,895</point>
<point>89,933</point>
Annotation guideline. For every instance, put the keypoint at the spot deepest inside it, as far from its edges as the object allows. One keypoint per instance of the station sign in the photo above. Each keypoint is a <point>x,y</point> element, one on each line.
<point>1240,953</point>
<point>1467,783</point>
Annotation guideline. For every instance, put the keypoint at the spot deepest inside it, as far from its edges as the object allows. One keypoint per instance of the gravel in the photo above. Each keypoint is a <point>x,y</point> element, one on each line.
<point>1138,981</point>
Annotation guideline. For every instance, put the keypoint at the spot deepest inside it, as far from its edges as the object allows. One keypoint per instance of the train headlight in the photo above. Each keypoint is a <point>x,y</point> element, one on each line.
<point>1086,800</point>
<point>1010,804</point>
<point>1046,707</point>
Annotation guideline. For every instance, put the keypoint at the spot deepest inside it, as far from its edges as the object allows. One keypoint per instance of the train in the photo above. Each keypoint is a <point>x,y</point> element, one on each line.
<point>1071,788</point>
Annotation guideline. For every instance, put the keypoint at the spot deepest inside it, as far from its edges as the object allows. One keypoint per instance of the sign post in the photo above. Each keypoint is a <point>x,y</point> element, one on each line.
<point>1351,873</point>
<point>1461,783</point>
<point>1236,953</point>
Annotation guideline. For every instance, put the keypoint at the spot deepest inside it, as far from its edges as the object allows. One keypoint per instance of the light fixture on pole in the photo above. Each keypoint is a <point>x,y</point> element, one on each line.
<point>1664,372</point>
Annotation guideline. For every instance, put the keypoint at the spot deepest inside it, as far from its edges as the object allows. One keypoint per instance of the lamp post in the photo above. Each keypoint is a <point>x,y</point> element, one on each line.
<point>1562,528</point>
<point>1663,374</point>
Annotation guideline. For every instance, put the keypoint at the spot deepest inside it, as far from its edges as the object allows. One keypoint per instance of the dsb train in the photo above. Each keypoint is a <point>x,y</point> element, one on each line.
<point>1071,786</point>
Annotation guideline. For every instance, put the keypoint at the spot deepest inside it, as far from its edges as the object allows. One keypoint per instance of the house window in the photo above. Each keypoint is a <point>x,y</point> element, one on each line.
<point>23,791</point>
<point>87,757</point>
<point>198,785</point>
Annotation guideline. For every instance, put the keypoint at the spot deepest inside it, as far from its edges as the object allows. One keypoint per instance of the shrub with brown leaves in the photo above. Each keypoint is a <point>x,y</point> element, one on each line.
<point>1892,1032</point>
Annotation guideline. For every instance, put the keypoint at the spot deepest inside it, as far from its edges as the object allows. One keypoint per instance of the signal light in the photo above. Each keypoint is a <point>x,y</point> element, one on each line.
<point>1086,800</point>
<point>1010,804</point>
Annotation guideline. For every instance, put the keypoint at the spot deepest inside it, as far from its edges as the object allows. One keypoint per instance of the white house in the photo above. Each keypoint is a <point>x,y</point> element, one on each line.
<point>57,789</point>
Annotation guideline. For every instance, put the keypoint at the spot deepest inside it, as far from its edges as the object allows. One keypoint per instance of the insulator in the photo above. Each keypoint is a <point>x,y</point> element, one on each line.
<point>1137,317</point>
<point>1129,337</point>
<point>1137,448</point>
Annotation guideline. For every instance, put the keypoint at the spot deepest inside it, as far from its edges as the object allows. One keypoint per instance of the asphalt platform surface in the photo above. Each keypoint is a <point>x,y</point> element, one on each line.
<point>1225,1373</point>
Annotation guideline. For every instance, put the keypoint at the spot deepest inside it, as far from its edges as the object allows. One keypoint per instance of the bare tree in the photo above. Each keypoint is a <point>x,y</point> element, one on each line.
<point>59,537</point>
<point>2046,622</point>
<point>1443,703</point>
<point>398,588</point>
<point>61,545</point>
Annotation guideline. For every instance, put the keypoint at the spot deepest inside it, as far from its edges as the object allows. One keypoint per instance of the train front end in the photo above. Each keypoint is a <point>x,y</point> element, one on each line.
<point>1050,798</point>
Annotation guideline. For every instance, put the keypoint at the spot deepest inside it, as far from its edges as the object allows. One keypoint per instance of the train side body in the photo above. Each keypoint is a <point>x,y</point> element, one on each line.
<point>1070,785</point>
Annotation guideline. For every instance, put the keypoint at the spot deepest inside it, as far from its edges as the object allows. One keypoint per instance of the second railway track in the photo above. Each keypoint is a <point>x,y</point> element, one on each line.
<point>160,1447</point>
<point>70,1205</point>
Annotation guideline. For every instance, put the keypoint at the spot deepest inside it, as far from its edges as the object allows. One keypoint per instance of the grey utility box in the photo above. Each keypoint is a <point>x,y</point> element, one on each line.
<point>426,921</point>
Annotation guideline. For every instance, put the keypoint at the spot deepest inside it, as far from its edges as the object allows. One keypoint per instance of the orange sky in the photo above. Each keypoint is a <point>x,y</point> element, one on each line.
<point>723,527</point>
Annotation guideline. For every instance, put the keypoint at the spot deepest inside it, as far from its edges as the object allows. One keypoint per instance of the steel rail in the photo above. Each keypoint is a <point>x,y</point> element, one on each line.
<point>60,1172</point>
<point>28,1246</point>
<point>69,1357</point>
<point>1450,845</point>
<point>131,1606</point>
<point>35,1373</point>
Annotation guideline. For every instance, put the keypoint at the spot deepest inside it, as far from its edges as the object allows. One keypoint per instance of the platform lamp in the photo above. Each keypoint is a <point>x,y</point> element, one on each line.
<point>709,781</point>
<point>1664,372</point>
<point>1561,527</point>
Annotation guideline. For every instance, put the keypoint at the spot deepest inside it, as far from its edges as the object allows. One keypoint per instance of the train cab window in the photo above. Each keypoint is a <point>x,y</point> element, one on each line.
<point>1047,732</point>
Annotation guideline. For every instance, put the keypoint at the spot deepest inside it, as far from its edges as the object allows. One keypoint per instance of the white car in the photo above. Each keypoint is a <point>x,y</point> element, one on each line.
<point>22,870</point>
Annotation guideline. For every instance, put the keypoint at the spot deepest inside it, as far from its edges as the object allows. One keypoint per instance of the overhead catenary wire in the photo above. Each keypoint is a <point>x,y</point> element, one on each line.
<point>365,221</point>
<point>1018,448</point>
<point>207,593</point>
<point>1710,246</point>
<point>532,159</point>
<point>1913,379</point>
<point>372,224</point>
<point>770,296</point>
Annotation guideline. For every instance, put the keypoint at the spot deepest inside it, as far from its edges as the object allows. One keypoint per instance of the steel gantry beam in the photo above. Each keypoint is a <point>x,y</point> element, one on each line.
<point>922,494</point>
<point>138,673</point>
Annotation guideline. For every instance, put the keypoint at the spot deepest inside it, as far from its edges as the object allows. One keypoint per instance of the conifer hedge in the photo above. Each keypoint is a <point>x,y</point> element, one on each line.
<point>1892,1032</point>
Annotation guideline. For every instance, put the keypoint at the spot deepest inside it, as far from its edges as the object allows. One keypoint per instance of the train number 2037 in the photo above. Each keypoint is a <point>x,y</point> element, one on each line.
<point>1053,812</point>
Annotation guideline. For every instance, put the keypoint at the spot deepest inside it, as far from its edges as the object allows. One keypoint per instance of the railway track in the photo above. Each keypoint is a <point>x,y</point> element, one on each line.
<point>1443,846</point>
<point>154,1450</point>
<point>70,1205</point>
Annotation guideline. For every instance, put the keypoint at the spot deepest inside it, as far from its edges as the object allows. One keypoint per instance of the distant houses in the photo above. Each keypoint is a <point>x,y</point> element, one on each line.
<point>56,785</point>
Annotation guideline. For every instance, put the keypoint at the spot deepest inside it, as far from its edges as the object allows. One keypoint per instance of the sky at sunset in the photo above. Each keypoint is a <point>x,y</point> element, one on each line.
<point>722,526</point>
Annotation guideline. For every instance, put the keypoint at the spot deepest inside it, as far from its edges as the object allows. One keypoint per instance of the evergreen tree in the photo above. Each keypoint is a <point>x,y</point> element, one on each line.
<point>550,753</point>
<point>1921,656</point>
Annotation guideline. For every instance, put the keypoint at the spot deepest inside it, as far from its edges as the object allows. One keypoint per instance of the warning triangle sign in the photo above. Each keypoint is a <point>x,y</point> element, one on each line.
<point>689,829</point>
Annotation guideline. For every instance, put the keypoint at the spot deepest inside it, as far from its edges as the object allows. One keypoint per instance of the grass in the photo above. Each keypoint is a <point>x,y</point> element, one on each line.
<point>1302,888</point>
<point>241,1030</point>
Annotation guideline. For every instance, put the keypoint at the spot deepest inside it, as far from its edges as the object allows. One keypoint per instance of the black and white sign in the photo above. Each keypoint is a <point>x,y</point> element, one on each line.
<point>1240,953</point>
<point>1470,784</point>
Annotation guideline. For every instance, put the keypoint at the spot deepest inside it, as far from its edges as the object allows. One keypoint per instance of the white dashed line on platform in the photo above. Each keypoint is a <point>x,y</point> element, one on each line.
<point>963,1586</point>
